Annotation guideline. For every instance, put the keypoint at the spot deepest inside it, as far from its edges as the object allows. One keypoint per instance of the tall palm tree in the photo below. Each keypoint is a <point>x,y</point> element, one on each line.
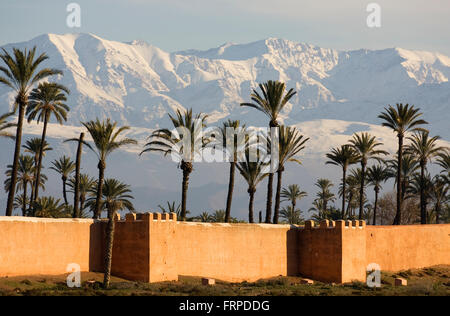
<point>25,176</point>
<point>440,194</point>
<point>293,193</point>
<point>182,148</point>
<point>76,185</point>
<point>272,101</point>
<point>64,166</point>
<point>5,125</point>
<point>423,148</point>
<point>324,195</point>
<point>45,101</point>
<point>86,185</point>
<point>105,136</point>
<point>290,143</point>
<point>20,74</point>
<point>253,174</point>
<point>291,215</point>
<point>376,175</point>
<point>116,197</point>
<point>343,156</point>
<point>365,147</point>
<point>401,119</point>
<point>232,154</point>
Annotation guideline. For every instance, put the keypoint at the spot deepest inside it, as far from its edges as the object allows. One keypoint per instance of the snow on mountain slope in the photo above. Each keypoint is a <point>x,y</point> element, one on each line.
<point>137,83</point>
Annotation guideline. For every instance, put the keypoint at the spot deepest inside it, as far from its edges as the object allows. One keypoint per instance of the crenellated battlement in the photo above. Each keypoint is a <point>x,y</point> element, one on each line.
<point>339,224</point>
<point>148,216</point>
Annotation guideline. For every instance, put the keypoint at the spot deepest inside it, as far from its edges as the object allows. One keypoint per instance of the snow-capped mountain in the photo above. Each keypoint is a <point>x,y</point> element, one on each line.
<point>138,84</point>
<point>339,93</point>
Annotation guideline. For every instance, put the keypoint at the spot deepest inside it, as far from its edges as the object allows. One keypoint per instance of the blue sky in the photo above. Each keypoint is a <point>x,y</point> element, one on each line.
<point>181,24</point>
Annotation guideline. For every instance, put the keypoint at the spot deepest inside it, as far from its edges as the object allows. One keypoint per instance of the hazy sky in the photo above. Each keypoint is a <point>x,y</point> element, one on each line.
<point>181,24</point>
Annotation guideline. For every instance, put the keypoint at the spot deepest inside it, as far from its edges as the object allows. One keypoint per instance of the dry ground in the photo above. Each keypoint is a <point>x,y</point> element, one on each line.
<point>428,281</point>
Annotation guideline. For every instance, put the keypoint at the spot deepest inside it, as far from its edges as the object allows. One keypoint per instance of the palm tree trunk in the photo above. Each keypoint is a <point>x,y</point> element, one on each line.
<point>398,215</point>
<point>187,169</point>
<point>350,198</point>
<point>109,248</point>
<point>438,211</point>
<point>82,199</point>
<point>64,180</point>
<point>375,208</point>
<point>76,197</point>
<point>344,175</point>
<point>30,204</point>
<point>269,198</point>
<point>423,211</point>
<point>41,153</point>
<point>250,205</point>
<point>277,196</point>
<point>24,205</point>
<point>230,191</point>
<point>101,175</point>
<point>12,188</point>
<point>361,190</point>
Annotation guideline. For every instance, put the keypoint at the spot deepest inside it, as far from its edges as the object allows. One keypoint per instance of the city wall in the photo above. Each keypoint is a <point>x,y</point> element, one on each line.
<point>153,247</point>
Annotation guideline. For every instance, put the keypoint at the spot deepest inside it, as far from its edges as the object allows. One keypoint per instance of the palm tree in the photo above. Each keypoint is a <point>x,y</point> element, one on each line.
<point>252,172</point>
<point>353,183</point>
<point>25,176</point>
<point>204,217</point>
<point>423,148</point>
<point>409,166</point>
<point>344,157</point>
<point>290,143</point>
<point>439,194</point>
<point>402,119</point>
<point>4,126</point>
<point>218,216</point>
<point>116,197</point>
<point>376,175</point>
<point>232,153</point>
<point>64,166</point>
<point>20,74</point>
<point>365,147</point>
<point>293,193</point>
<point>324,195</point>
<point>183,148</point>
<point>105,136</point>
<point>444,161</point>
<point>44,101</point>
<point>291,215</point>
<point>76,187</point>
<point>50,207</point>
<point>33,146</point>
<point>272,101</point>
<point>420,186</point>
<point>86,185</point>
